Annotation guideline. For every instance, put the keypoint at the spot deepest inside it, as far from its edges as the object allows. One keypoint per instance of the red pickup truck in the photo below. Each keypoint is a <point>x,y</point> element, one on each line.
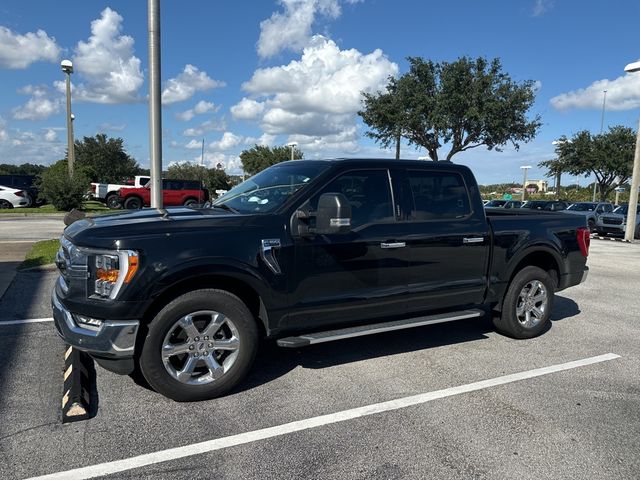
<point>174,193</point>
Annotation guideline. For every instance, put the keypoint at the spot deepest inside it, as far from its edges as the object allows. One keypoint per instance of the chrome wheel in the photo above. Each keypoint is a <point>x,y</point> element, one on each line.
<point>200,347</point>
<point>532,304</point>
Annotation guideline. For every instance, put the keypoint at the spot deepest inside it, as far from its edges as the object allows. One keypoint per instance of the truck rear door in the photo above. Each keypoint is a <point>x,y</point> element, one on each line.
<point>448,240</point>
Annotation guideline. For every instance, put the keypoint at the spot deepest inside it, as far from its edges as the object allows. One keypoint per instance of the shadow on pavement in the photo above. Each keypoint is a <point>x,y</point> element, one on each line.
<point>28,354</point>
<point>563,308</point>
<point>273,362</point>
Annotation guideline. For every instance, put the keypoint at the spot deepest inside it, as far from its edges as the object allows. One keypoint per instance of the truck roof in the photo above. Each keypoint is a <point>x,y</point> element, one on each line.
<point>378,162</point>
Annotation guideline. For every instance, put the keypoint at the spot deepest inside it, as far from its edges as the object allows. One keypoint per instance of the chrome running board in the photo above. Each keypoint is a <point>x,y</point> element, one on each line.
<point>331,335</point>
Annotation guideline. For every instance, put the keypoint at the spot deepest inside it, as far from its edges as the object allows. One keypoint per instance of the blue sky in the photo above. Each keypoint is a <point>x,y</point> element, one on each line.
<point>239,72</point>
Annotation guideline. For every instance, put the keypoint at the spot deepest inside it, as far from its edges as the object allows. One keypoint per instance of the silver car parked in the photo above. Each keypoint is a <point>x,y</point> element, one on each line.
<point>591,211</point>
<point>616,222</point>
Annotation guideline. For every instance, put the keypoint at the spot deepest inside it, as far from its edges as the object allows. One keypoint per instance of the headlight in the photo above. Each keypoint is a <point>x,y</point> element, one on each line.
<point>111,271</point>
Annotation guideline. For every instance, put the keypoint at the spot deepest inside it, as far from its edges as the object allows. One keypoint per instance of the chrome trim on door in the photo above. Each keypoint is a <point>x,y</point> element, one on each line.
<point>473,240</point>
<point>393,245</point>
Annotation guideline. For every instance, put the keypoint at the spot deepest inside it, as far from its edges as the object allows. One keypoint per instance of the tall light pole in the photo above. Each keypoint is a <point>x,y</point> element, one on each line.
<point>155,105</point>
<point>292,146</point>
<point>635,178</point>
<point>67,67</point>
<point>604,103</point>
<point>524,180</point>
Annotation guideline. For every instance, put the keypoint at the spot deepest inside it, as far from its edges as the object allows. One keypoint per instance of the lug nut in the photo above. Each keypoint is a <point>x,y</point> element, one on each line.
<point>197,339</point>
<point>206,337</point>
<point>206,353</point>
<point>190,347</point>
<point>211,345</point>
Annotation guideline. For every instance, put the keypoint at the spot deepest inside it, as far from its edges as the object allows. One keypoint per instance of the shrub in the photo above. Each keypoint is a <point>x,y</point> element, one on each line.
<point>58,189</point>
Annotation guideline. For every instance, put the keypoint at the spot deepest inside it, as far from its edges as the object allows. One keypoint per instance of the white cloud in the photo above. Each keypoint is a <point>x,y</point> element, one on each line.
<point>4,135</point>
<point>200,108</point>
<point>41,105</point>
<point>265,139</point>
<point>20,51</point>
<point>228,141</point>
<point>112,127</point>
<point>107,63</point>
<point>344,141</point>
<point>50,135</point>
<point>247,109</point>
<point>623,93</point>
<point>291,29</point>
<point>204,127</point>
<point>230,163</point>
<point>193,144</point>
<point>185,85</point>
<point>540,7</point>
<point>320,94</point>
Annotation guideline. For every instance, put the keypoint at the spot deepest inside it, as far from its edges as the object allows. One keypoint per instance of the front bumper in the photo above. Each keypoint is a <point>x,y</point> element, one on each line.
<point>113,340</point>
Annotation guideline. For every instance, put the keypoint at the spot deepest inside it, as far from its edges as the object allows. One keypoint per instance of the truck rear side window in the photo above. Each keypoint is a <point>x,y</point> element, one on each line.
<point>437,195</point>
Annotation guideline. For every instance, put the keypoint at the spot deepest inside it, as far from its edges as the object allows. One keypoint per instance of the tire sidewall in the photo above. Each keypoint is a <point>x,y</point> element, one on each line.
<point>150,359</point>
<point>111,203</point>
<point>133,201</point>
<point>509,323</point>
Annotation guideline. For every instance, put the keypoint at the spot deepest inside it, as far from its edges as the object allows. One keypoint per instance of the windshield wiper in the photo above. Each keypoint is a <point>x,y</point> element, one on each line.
<point>226,207</point>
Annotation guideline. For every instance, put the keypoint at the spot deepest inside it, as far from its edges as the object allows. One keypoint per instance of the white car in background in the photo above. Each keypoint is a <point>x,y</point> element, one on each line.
<point>12,198</point>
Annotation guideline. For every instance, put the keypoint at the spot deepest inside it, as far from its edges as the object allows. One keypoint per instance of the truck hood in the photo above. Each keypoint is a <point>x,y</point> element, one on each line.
<point>104,231</point>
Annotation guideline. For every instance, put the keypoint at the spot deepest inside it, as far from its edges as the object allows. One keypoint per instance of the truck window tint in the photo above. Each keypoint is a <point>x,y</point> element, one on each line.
<point>368,193</point>
<point>437,195</point>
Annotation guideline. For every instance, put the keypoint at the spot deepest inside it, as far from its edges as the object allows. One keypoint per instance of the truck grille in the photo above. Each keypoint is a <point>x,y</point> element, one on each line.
<point>612,220</point>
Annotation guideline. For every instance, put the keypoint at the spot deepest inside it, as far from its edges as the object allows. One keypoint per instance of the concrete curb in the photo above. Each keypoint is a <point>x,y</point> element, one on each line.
<point>613,239</point>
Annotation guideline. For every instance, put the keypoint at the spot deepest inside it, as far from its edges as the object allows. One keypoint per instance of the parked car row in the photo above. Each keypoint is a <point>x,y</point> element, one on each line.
<point>601,217</point>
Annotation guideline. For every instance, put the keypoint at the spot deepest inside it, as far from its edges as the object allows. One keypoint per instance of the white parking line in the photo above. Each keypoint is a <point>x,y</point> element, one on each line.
<point>131,463</point>
<point>28,320</point>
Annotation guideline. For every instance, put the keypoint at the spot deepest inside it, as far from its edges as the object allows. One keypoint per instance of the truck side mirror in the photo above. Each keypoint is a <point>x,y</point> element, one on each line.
<point>333,215</point>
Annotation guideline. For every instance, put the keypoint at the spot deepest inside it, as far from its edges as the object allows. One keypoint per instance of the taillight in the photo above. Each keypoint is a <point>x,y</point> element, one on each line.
<point>93,188</point>
<point>19,193</point>
<point>584,240</point>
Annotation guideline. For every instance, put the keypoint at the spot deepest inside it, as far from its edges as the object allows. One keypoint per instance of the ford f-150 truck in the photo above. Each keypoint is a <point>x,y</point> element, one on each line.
<point>305,252</point>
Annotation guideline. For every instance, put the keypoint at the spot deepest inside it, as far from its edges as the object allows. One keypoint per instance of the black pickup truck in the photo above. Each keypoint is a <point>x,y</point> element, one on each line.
<point>305,252</point>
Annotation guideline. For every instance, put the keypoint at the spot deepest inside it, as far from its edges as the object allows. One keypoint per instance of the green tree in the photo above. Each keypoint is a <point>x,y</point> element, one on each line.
<point>23,169</point>
<point>104,159</point>
<point>212,178</point>
<point>260,157</point>
<point>608,156</point>
<point>465,104</point>
<point>56,187</point>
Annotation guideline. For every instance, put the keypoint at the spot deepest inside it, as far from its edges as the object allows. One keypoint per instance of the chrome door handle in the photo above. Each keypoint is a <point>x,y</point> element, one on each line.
<point>393,245</point>
<point>473,240</point>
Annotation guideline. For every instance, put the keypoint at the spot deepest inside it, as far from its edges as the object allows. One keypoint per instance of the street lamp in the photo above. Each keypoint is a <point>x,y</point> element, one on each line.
<point>292,146</point>
<point>635,178</point>
<point>67,67</point>
<point>524,181</point>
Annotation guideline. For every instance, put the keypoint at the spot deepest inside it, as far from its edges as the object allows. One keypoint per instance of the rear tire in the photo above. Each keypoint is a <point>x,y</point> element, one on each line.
<point>527,305</point>
<point>5,204</point>
<point>592,225</point>
<point>200,346</point>
<point>133,203</point>
<point>637,232</point>
<point>189,202</point>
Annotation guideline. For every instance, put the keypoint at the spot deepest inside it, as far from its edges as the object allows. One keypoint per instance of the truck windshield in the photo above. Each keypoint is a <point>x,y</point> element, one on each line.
<point>267,190</point>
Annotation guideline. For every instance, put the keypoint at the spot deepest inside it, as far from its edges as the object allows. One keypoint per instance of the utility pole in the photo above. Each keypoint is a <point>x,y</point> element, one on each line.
<point>155,103</point>
<point>604,102</point>
<point>67,68</point>
<point>524,180</point>
<point>202,157</point>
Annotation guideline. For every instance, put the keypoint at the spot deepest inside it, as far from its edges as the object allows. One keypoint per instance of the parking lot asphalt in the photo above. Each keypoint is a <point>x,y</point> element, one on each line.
<point>578,423</point>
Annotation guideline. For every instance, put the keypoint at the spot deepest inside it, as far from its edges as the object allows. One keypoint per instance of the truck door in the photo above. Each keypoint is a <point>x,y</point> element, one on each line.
<point>362,274</point>
<point>448,242</point>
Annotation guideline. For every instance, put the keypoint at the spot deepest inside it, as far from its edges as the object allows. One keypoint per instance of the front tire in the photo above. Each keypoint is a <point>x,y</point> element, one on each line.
<point>200,346</point>
<point>527,305</point>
